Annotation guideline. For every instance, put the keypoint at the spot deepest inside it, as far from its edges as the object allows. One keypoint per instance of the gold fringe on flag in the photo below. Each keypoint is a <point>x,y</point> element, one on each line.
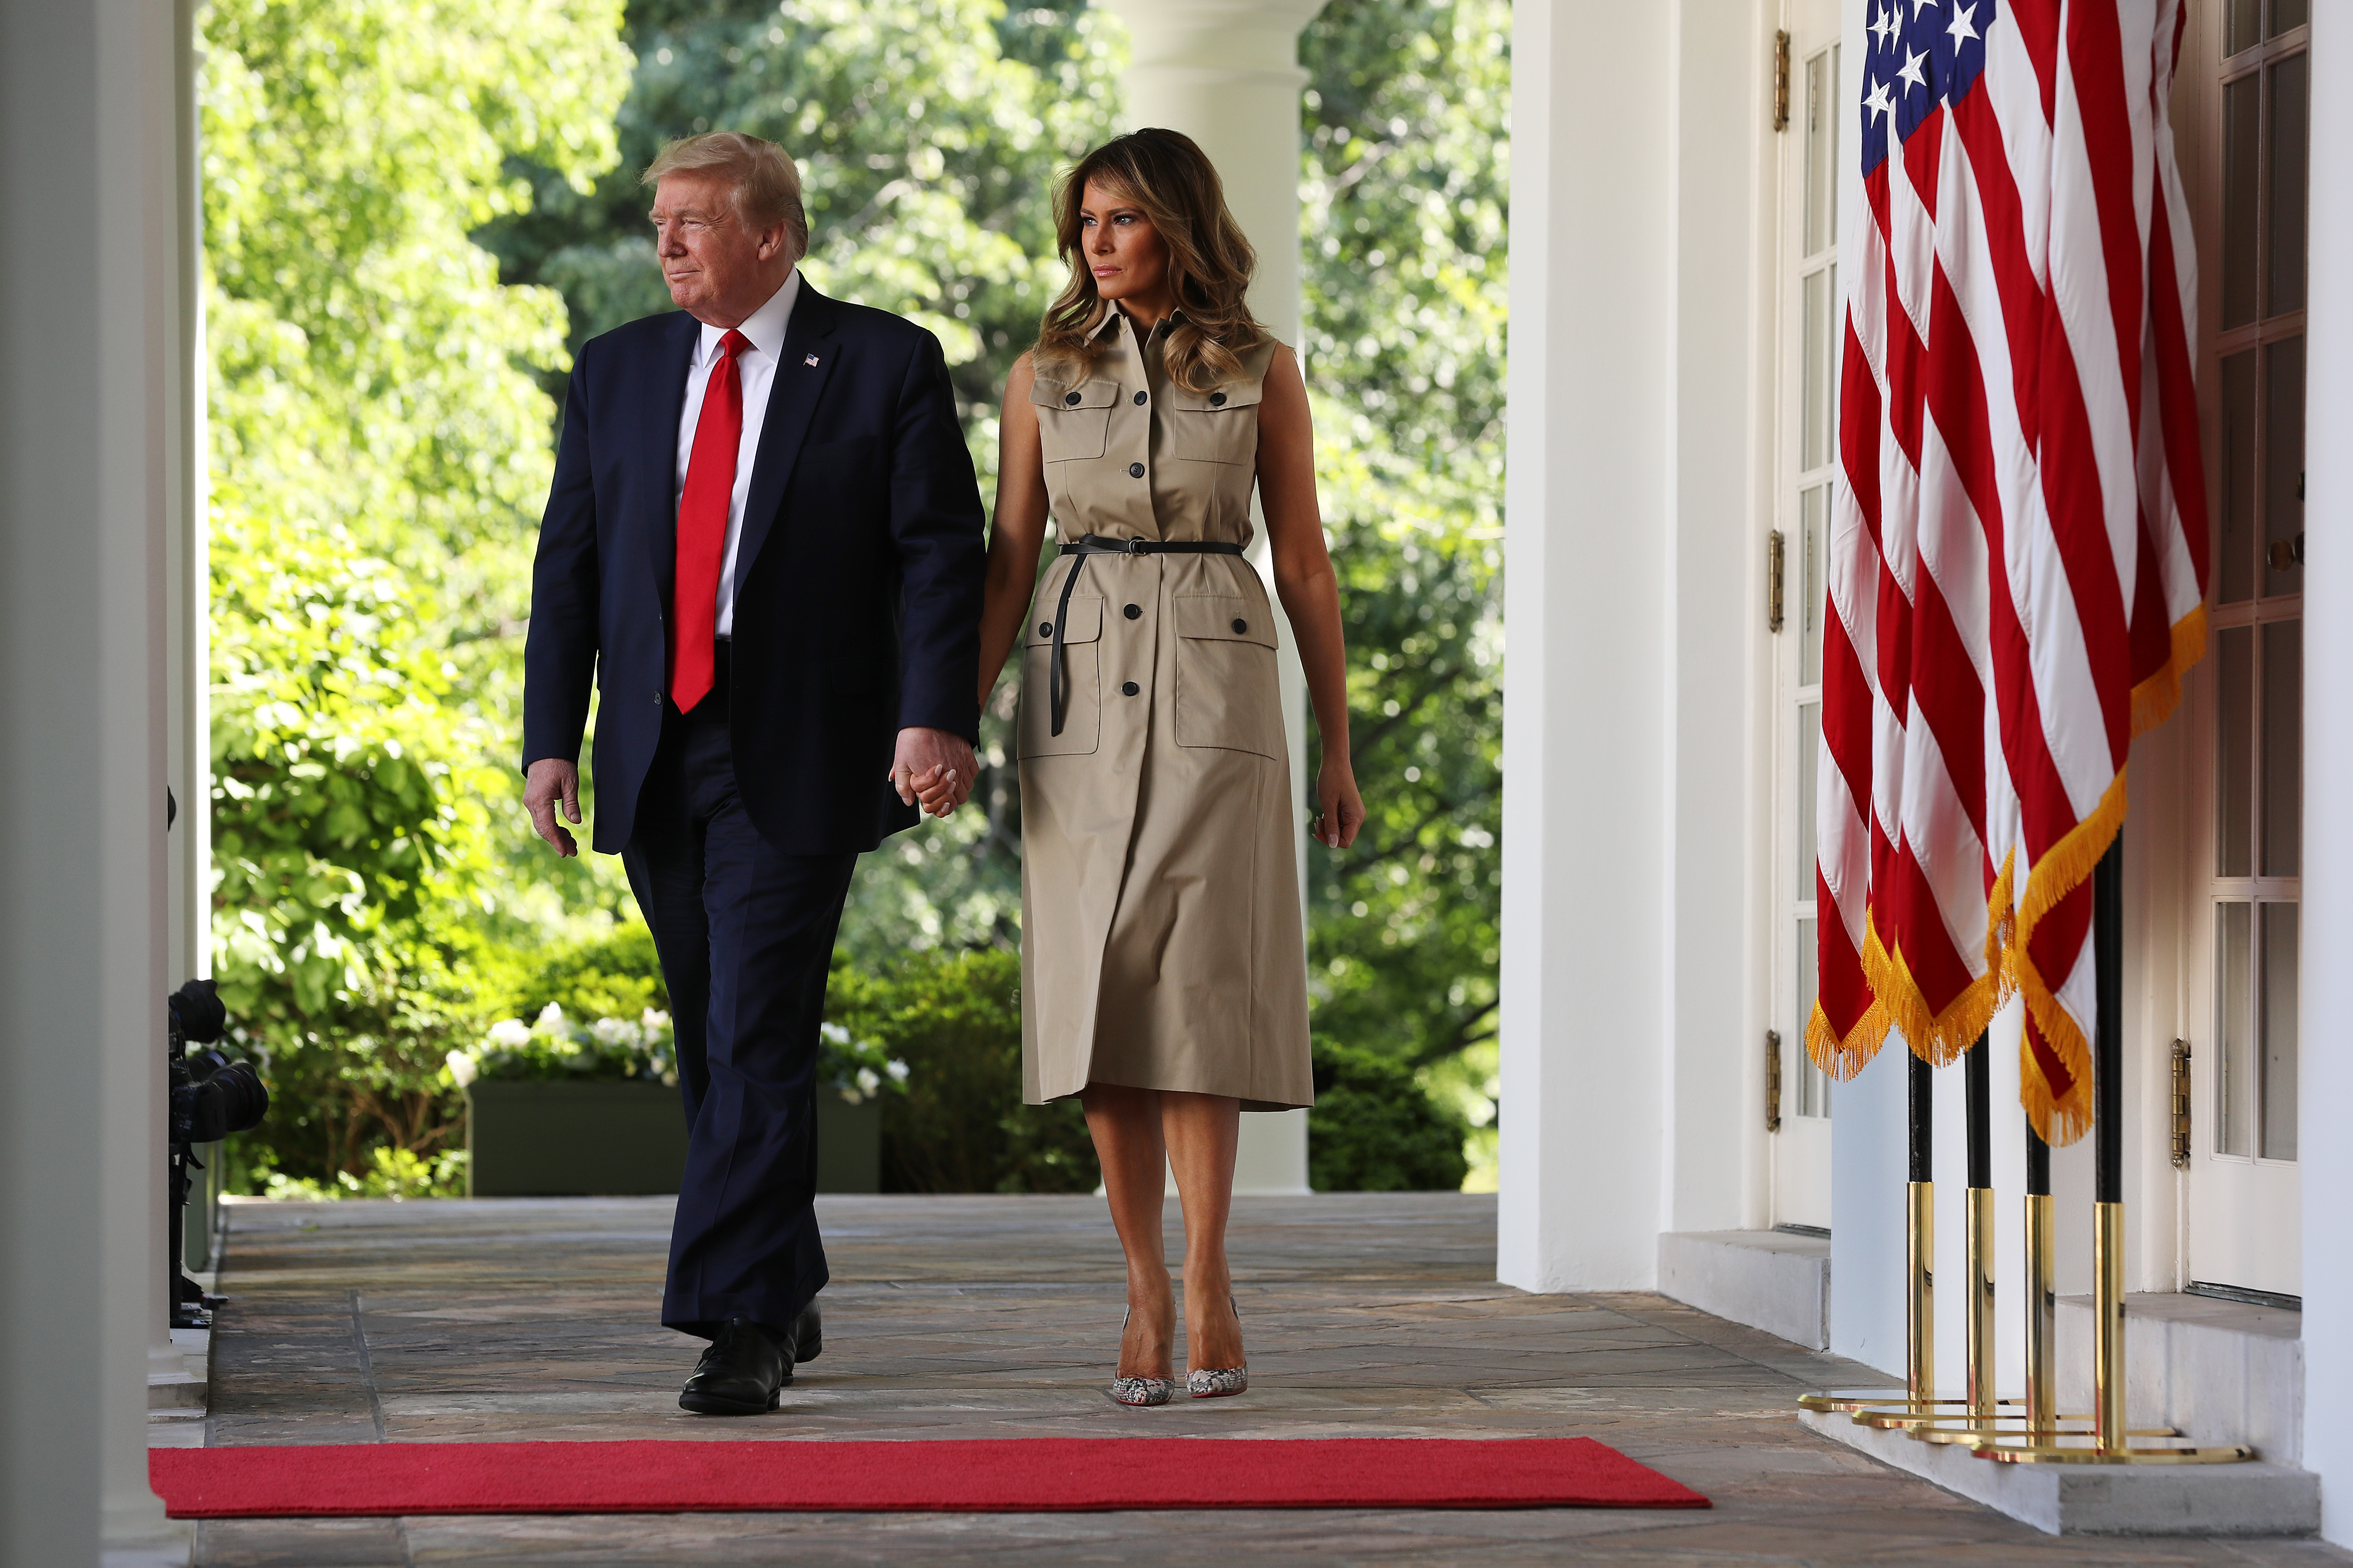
<point>1842,1059</point>
<point>2061,1117</point>
<point>1897,1002</point>
<point>1941,1038</point>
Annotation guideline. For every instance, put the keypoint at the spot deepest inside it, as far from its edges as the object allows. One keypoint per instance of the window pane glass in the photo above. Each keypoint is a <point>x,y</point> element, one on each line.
<point>2280,922</point>
<point>2290,148</point>
<point>2237,546</point>
<point>2234,754</point>
<point>2284,466</point>
<point>2245,15</point>
<point>1829,156</point>
<point>2234,1079</point>
<point>1810,750</point>
<point>2286,14</point>
<point>1819,176</point>
<point>2283,747</point>
<point>2241,110</point>
<point>1814,442</point>
<point>1813,540</point>
<point>1813,1097</point>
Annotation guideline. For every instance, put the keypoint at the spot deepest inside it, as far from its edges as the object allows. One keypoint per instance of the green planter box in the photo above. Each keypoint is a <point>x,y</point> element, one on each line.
<point>577,1140</point>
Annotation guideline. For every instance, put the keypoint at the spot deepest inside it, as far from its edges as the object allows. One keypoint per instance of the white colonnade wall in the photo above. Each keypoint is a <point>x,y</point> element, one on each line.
<point>91,376</point>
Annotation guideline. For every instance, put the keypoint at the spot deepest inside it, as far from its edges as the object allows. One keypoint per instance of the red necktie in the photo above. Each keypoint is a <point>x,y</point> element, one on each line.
<point>703,527</point>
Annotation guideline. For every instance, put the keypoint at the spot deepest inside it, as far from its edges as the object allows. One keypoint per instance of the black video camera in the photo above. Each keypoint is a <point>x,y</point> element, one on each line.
<point>212,1095</point>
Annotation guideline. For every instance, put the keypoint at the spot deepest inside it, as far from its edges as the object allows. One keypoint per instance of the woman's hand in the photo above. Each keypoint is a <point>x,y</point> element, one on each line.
<point>1339,809</point>
<point>941,791</point>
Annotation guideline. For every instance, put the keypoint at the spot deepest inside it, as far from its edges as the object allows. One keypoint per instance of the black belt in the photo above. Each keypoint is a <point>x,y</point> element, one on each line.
<point>1099,544</point>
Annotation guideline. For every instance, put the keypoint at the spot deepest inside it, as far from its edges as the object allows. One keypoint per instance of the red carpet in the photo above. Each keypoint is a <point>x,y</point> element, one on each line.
<point>999,1476</point>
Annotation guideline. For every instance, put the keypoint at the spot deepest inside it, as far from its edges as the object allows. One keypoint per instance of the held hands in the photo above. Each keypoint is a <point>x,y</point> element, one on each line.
<point>933,768</point>
<point>551,781</point>
<point>1339,809</point>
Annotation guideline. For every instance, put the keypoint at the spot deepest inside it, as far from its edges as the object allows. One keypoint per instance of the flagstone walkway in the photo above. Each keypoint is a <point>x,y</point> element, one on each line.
<point>1367,1315</point>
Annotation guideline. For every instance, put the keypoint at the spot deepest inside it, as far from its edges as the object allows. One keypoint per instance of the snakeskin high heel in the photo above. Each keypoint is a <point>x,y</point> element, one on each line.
<point>1221,1382</point>
<point>1140,1391</point>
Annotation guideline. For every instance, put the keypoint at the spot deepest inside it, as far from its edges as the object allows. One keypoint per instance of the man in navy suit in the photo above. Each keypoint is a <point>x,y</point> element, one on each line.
<point>764,546</point>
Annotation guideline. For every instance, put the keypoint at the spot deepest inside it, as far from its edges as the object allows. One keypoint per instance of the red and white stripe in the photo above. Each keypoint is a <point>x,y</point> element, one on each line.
<point>2018,550</point>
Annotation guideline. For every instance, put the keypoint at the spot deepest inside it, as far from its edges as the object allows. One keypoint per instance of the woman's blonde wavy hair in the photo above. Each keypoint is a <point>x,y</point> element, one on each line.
<point>1209,261</point>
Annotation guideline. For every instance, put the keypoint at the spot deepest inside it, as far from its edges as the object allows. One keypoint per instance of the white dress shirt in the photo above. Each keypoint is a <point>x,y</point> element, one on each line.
<point>758,367</point>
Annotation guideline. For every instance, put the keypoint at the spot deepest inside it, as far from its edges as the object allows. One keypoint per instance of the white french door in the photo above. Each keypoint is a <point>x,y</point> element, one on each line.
<point>1807,449</point>
<point>2245,1194</point>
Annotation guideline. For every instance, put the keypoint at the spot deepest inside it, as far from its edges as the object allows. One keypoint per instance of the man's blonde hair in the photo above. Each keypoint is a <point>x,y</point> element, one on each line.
<point>767,186</point>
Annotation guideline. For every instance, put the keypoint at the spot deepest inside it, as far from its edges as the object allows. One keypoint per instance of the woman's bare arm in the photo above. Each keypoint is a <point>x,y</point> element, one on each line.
<point>1308,588</point>
<point>1019,531</point>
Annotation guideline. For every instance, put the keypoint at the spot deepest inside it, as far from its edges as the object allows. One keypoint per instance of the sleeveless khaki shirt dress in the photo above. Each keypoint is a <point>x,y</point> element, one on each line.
<point>1161,936</point>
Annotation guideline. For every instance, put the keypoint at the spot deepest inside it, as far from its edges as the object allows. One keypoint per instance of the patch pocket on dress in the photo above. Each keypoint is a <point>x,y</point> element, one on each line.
<point>1081,678</point>
<point>1228,694</point>
<point>1073,422</point>
<point>1219,426</point>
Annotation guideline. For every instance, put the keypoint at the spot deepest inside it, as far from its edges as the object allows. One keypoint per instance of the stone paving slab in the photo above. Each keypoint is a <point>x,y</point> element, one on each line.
<point>971,1317</point>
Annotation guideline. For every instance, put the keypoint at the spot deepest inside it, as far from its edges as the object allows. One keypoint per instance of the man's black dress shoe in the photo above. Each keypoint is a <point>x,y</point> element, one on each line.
<point>747,1367</point>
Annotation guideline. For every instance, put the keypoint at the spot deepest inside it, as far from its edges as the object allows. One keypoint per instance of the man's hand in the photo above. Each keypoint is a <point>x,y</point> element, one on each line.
<point>935,766</point>
<point>549,781</point>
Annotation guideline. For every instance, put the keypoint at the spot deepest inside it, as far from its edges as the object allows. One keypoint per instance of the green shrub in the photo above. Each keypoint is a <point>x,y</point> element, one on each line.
<point>616,976</point>
<point>955,1018</point>
<point>1374,1130</point>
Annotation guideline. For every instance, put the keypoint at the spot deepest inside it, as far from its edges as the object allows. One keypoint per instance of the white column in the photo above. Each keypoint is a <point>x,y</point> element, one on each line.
<point>90,369</point>
<point>1226,73</point>
<point>1585,708</point>
<point>2325,1075</point>
<point>188,570</point>
<point>1637,505</point>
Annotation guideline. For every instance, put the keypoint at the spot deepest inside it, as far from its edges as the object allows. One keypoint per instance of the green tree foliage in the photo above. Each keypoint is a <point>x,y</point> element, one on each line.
<point>1404,183</point>
<point>1374,1130</point>
<point>379,454</point>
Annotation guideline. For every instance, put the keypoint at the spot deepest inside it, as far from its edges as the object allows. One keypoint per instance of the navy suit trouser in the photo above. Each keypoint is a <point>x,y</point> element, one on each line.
<point>745,936</point>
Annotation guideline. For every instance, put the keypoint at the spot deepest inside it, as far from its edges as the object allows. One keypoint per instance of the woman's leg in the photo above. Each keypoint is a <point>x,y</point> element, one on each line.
<point>1202,1131</point>
<point>1125,1124</point>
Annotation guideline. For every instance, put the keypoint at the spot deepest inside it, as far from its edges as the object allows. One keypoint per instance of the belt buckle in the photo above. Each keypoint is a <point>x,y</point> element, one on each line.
<point>1139,546</point>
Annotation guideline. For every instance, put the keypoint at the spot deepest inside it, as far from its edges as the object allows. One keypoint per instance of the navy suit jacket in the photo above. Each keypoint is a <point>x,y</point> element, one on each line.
<point>858,575</point>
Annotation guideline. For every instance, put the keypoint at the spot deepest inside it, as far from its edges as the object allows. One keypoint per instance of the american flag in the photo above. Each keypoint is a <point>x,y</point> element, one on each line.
<point>2018,551</point>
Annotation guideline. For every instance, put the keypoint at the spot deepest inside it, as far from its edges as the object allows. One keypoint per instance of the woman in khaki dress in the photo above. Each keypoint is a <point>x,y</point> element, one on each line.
<point>1163,974</point>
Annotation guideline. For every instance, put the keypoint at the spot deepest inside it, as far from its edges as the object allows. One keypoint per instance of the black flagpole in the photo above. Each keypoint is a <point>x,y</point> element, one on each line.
<point>1920,1235</point>
<point>2108,1135</point>
<point>1978,1085</point>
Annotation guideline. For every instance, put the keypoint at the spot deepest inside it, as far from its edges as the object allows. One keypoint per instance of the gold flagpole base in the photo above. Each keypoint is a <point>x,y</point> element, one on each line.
<point>2042,1314</point>
<point>1917,1398</point>
<point>2108,1324</point>
<point>1920,1284</point>
<point>1979,1316</point>
<point>2108,1441</point>
<point>1865,1401</point>
<point>2090,1448</point>
<point>2016,1427</point>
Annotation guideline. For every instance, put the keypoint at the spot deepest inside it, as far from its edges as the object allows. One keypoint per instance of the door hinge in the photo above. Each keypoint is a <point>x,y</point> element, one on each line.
<point>1781,80</point>
<point>1774,572</point>
<point>1772,1081</point>
<point>2181,1105</point>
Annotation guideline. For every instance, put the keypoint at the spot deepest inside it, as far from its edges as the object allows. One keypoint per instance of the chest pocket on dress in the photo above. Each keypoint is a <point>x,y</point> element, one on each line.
<point>1073,422</point>
<point>1219,426</point>
<point>1081,678</point>
<point>1227,693</point>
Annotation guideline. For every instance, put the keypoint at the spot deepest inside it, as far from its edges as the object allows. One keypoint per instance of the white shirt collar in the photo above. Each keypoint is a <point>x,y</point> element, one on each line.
<point>764,326</point>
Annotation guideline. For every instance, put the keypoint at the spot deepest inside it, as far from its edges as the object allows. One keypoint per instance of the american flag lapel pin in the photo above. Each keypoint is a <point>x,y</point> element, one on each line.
<point>811,360</point>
